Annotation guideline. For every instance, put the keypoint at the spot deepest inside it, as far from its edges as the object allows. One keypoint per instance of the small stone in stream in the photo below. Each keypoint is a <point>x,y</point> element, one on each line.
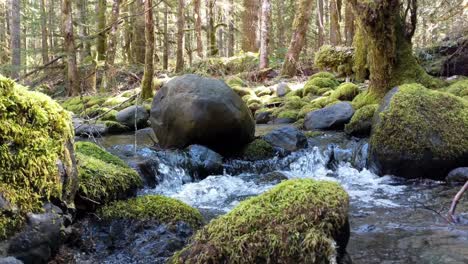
<point>288,137</point>
<point>458,175</point>
<point>282,89</point>
<point>262,117</point>
<point>204,161</point>
<point>273,177</point>
<point>330,117</point>
<point>127,116</point>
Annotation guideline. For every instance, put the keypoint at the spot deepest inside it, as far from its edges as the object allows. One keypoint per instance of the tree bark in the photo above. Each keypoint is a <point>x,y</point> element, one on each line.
<point>198,27</point>
<point>82,15</point>
<point>211,30</point>
<point>138,38</point>
<point>70,50</point>
<point>280,25</point>
<point>15,31</point>
<point>265,34</point>
<point>166,39</point>
<point>320,26</point>
<point>147,82</point>
<point>45,46</point>
<point>101,25</point>
<point>349,24</point>
<point>300,25</point>
<point>249,25</point>
<point>335,14</point>
<point>180,36</point>
<point>231,43</point>
<point>112,44</point>
<point>3,33</point>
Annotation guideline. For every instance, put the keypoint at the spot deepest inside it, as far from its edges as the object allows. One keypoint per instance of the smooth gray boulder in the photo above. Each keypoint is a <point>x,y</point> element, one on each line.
<point>128,116</point>
<point>191,109</point>
<point>330,117</point>
<point>458,175</point>
<point>288,137</point>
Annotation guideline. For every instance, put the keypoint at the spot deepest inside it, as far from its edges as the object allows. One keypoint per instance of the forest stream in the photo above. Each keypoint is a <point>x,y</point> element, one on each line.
<point>392,220</point>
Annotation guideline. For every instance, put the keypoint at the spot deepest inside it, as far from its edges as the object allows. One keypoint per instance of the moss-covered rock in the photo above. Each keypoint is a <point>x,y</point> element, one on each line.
<point>36,154</point>
<point>257,150</point>
<point>361,122</point>
<point>323,82</point>
<point>298,221</point>
<point>419,133</point>
<point>338,59</point>
<point>345,92</point>
<point>158,208</point>
<point>363,99</point>
<point>103,176</point>
<point>459,88</point>
<point>323,74</point>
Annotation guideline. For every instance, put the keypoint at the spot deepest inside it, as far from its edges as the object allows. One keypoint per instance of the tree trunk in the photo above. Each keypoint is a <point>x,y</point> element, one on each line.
<point>349,24</point>
<point>180,37</point>
<point>70,50</point>
<point>320,26</point>
<point>211,31</point>
<point>138,38</point>
<point>166,39</point>
<point>82,15</point>
<point>300,25</point>
<point>128,34</point>
<point>230,51</point>
<point>280,25</point>
<point>147,82</point>
<point>249,25</point>
<point>3,33</point>
<point>112,45</point>
<point>265,34</point>
<point>45,46</point>
<point>15,31</point>
<point>198,27</point>
<point>388,37</point>
<point>335,13</point>
<point>101,25</point>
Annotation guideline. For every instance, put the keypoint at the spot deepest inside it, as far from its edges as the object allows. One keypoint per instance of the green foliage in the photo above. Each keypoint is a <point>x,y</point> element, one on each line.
<point>417,113</point>
<point>34,131</point>
<point>337,59</point>
<point>258,149</point>
<point>103,176</point>
<point>153,207</point>
<point>361,117</point>
<point>345,92</point>
<point>294,222</point>
<point>459,88</point>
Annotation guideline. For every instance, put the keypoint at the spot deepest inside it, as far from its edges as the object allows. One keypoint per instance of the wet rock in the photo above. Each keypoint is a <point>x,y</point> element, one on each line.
<point>40,238</point>
<point>274,177</point>
<point>330,117</point>
<point>447,58</point>
<point>204,161</point>
<point>191,109</point>
<point>262,117</point>
<point>282,89</point>
<point>10,260</point>
<point>287,137</point>
<point>419,133</point>
<point>147,133</point>
<point>458,175</point>
<point>128,118</point>
<point>280,121</point>
<point>83,129</point>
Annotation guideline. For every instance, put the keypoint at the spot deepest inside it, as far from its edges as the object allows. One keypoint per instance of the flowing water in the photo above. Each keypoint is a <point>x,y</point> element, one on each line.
<point>392,220</point>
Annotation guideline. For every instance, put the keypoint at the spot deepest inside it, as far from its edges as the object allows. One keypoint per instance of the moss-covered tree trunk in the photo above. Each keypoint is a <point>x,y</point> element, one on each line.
<point>147,82</point>
<point>70,49</point>
<point>15,36</point>
<point>300,25</point>
<point>388,34</point>
<point>180,36</point>
<point>101,25</point>
<point>138,38</point>
<point>335,17</point>
<point>112,45</point>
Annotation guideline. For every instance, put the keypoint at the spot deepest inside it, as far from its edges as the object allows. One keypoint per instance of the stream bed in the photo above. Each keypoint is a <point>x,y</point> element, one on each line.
<point>392,220</point>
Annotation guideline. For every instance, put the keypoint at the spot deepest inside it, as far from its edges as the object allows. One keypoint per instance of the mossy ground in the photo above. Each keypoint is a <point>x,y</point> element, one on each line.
<point>34,131</point>
<point>417,113</point>
<point>103,176</point>
<point>459,88</point>
<point>295,222</point>
<point>153,207</point>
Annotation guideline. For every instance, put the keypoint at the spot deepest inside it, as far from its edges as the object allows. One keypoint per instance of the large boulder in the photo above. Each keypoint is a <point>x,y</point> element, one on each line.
<point>37,165</point>
<point>298,221</point>
<point>418,132</point>
<point>133,115</point>
<point>331,117</point>
<point>458,175</point>
<point>191,109</point>
<point>287,137</point>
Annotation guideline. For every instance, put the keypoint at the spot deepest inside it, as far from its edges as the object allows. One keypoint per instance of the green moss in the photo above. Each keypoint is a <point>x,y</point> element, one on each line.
<point>345,92</point>
<point>361,119</point>
<point>363,99</point>
<point>337,59</point>
<point>311,89</point>
<point>294,103</point>
<point>419,121</point>
<point>312,134</point>
<point>307,109</point>
<point>34,131</point>
<point>323,74</point>
<point>295,222</point>
<point>291,114</point>
<point>459,88</point>
<point>258,149</point>
<point>116,127</point>
<point>324,91</point>
<point>235,81</point>
<point>153,207</point>
<point>103,176</point>
<point>360,54</point>
<point>262,91</point>
<point>323,83</point>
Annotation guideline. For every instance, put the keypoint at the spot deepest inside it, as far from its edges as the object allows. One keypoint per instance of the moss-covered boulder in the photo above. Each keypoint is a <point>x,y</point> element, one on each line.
<point>345,92</point>
<point>298,221</point>
<point>103,177</point>
<point>336,58</point>
<point>418,132</point>
<point>163,209</point>
<point>361,123</point>
<point>37,161</point>
<point>459,88</point>
<point>258,149</point>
